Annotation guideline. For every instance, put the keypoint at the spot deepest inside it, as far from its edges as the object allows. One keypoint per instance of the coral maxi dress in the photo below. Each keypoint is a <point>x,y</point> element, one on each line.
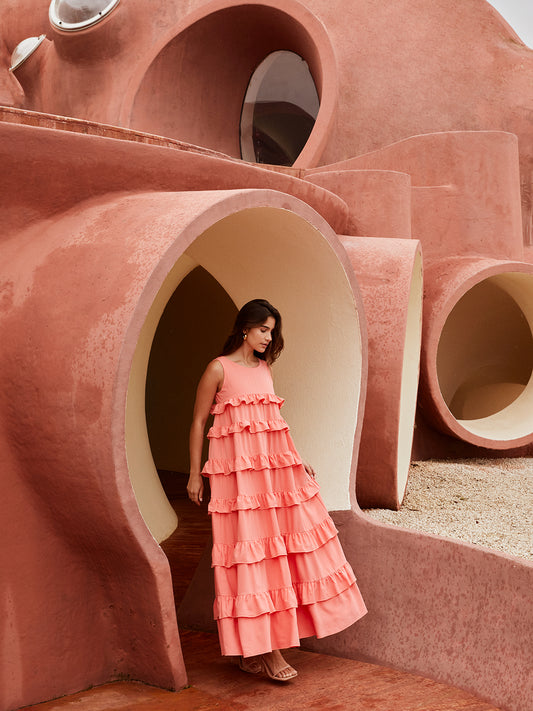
<point>280,572</point>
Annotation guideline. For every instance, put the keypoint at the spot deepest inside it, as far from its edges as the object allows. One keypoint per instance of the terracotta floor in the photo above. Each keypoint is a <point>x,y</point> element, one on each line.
<point>324,683</point>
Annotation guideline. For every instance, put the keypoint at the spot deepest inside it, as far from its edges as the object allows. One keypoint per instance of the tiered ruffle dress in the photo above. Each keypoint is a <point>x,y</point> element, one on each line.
<point>280,572</point>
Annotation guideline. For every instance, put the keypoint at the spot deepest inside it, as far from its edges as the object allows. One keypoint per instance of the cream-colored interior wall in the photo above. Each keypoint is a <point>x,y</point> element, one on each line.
<point>275,254</point>
<point>191,332</point>
<point>485,357</point>
<point>153,504</point>
<point>410,372</point>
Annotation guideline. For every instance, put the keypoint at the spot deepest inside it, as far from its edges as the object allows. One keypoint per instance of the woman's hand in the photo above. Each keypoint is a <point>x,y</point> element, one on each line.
<point>195,488</point>
<point>309,469</point>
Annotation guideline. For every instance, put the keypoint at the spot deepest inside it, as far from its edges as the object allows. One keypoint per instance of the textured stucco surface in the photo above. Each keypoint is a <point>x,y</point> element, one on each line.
<point>424,135</point>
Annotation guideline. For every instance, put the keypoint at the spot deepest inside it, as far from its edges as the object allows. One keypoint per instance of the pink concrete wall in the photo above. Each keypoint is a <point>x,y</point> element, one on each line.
<point>465,197</point>
<point>86,580</point>
<point>390,277</point>
<point>448,610</point>
<point>89,595</point>
<point>70,188</point>
<point>436,94</point>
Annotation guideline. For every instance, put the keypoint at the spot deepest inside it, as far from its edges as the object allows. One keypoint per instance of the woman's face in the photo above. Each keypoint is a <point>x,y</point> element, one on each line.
<point>259,337</point>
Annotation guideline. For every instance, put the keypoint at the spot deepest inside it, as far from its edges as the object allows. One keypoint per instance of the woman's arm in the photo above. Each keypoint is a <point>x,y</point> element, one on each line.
<point>209,383</point>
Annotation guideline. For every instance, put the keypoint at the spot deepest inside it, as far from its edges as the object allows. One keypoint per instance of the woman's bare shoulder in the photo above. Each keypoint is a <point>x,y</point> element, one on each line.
<point>214,367</point>
<point>211,381</point>
<point>214,372</point>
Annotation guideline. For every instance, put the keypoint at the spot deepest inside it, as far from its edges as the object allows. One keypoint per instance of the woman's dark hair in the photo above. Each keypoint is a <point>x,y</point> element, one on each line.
<point>255,313</point>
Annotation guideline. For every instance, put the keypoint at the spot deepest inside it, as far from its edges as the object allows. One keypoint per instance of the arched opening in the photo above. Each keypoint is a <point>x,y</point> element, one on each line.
<point>251,242</point>
<point>195,87</point>
<point>190,333</point>
<point>485,357</point>
<point>277,254</point>
<point>279,110</point>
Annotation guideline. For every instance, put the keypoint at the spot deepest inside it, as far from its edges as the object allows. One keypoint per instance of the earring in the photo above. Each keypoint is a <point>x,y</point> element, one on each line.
<point>244,336</point>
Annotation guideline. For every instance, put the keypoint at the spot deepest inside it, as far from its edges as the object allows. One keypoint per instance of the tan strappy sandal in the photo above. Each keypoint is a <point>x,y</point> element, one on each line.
<point>272,672</point>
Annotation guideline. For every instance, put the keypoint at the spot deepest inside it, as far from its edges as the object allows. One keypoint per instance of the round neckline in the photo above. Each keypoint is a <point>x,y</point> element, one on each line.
<point>248,367</point>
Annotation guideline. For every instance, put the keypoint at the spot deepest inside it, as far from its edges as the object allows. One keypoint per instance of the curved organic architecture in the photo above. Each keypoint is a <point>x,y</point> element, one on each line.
<point>163,165</point>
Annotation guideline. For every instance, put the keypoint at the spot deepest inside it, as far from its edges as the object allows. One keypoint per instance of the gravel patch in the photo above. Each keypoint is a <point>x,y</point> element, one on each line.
<point>486,502</point>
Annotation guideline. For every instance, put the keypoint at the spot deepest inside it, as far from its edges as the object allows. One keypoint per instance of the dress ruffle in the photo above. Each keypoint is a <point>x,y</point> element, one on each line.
<point>246,399</point>
<point>268,500</point>
<point>254,604</point>
<point>277,460</point>
<point>219,431</point>
<point>307,593</point>
<point>247,636</point>
<point>325,588</point>
<point>253,551</point>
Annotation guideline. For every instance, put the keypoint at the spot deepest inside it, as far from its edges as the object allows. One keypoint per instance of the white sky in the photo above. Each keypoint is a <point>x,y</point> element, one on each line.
<point>519,14</point>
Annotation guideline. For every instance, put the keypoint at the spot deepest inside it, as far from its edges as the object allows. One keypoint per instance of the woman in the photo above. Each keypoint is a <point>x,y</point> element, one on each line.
<point>280,573</point>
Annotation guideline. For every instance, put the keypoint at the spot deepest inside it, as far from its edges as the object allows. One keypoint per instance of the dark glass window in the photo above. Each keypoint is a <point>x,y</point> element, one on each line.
<point>279,110</point>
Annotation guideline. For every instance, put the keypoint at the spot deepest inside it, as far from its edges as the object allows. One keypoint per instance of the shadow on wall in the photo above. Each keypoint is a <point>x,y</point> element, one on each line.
<point>191,332</point>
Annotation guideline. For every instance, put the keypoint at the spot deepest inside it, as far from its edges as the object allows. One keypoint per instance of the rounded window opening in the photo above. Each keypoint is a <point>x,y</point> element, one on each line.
<point>485,354</point>
<point>279,110</point>
<point>73,15</point>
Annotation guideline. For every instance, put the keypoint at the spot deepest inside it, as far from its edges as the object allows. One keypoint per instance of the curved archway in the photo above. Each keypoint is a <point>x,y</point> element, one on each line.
<point>243,251</point>
<point>477,351</point>
<point>485,378</point>
<point>194,87</point>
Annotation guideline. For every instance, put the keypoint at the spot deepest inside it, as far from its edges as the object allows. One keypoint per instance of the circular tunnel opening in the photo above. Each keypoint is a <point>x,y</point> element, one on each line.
<point>243,71</point>
<point>485,357</point>
<point>278,255</point>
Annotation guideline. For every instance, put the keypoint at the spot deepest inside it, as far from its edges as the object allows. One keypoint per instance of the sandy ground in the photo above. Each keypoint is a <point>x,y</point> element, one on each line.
<point>487,502</point>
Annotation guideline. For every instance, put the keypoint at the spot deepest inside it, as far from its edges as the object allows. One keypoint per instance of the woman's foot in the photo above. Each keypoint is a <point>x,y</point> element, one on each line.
<point>275,667</point>
<point>251,665</point>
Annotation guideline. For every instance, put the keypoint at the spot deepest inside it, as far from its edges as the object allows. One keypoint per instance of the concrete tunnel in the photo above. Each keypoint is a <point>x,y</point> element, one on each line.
<point>88,427</point>
<point>477,355</point>
<point>305,276</point>
<point>490,371</point>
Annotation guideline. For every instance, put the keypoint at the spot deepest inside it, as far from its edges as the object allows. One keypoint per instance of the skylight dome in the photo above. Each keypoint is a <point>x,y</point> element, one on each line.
<point>73,15</point>
<point>23,50</point>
